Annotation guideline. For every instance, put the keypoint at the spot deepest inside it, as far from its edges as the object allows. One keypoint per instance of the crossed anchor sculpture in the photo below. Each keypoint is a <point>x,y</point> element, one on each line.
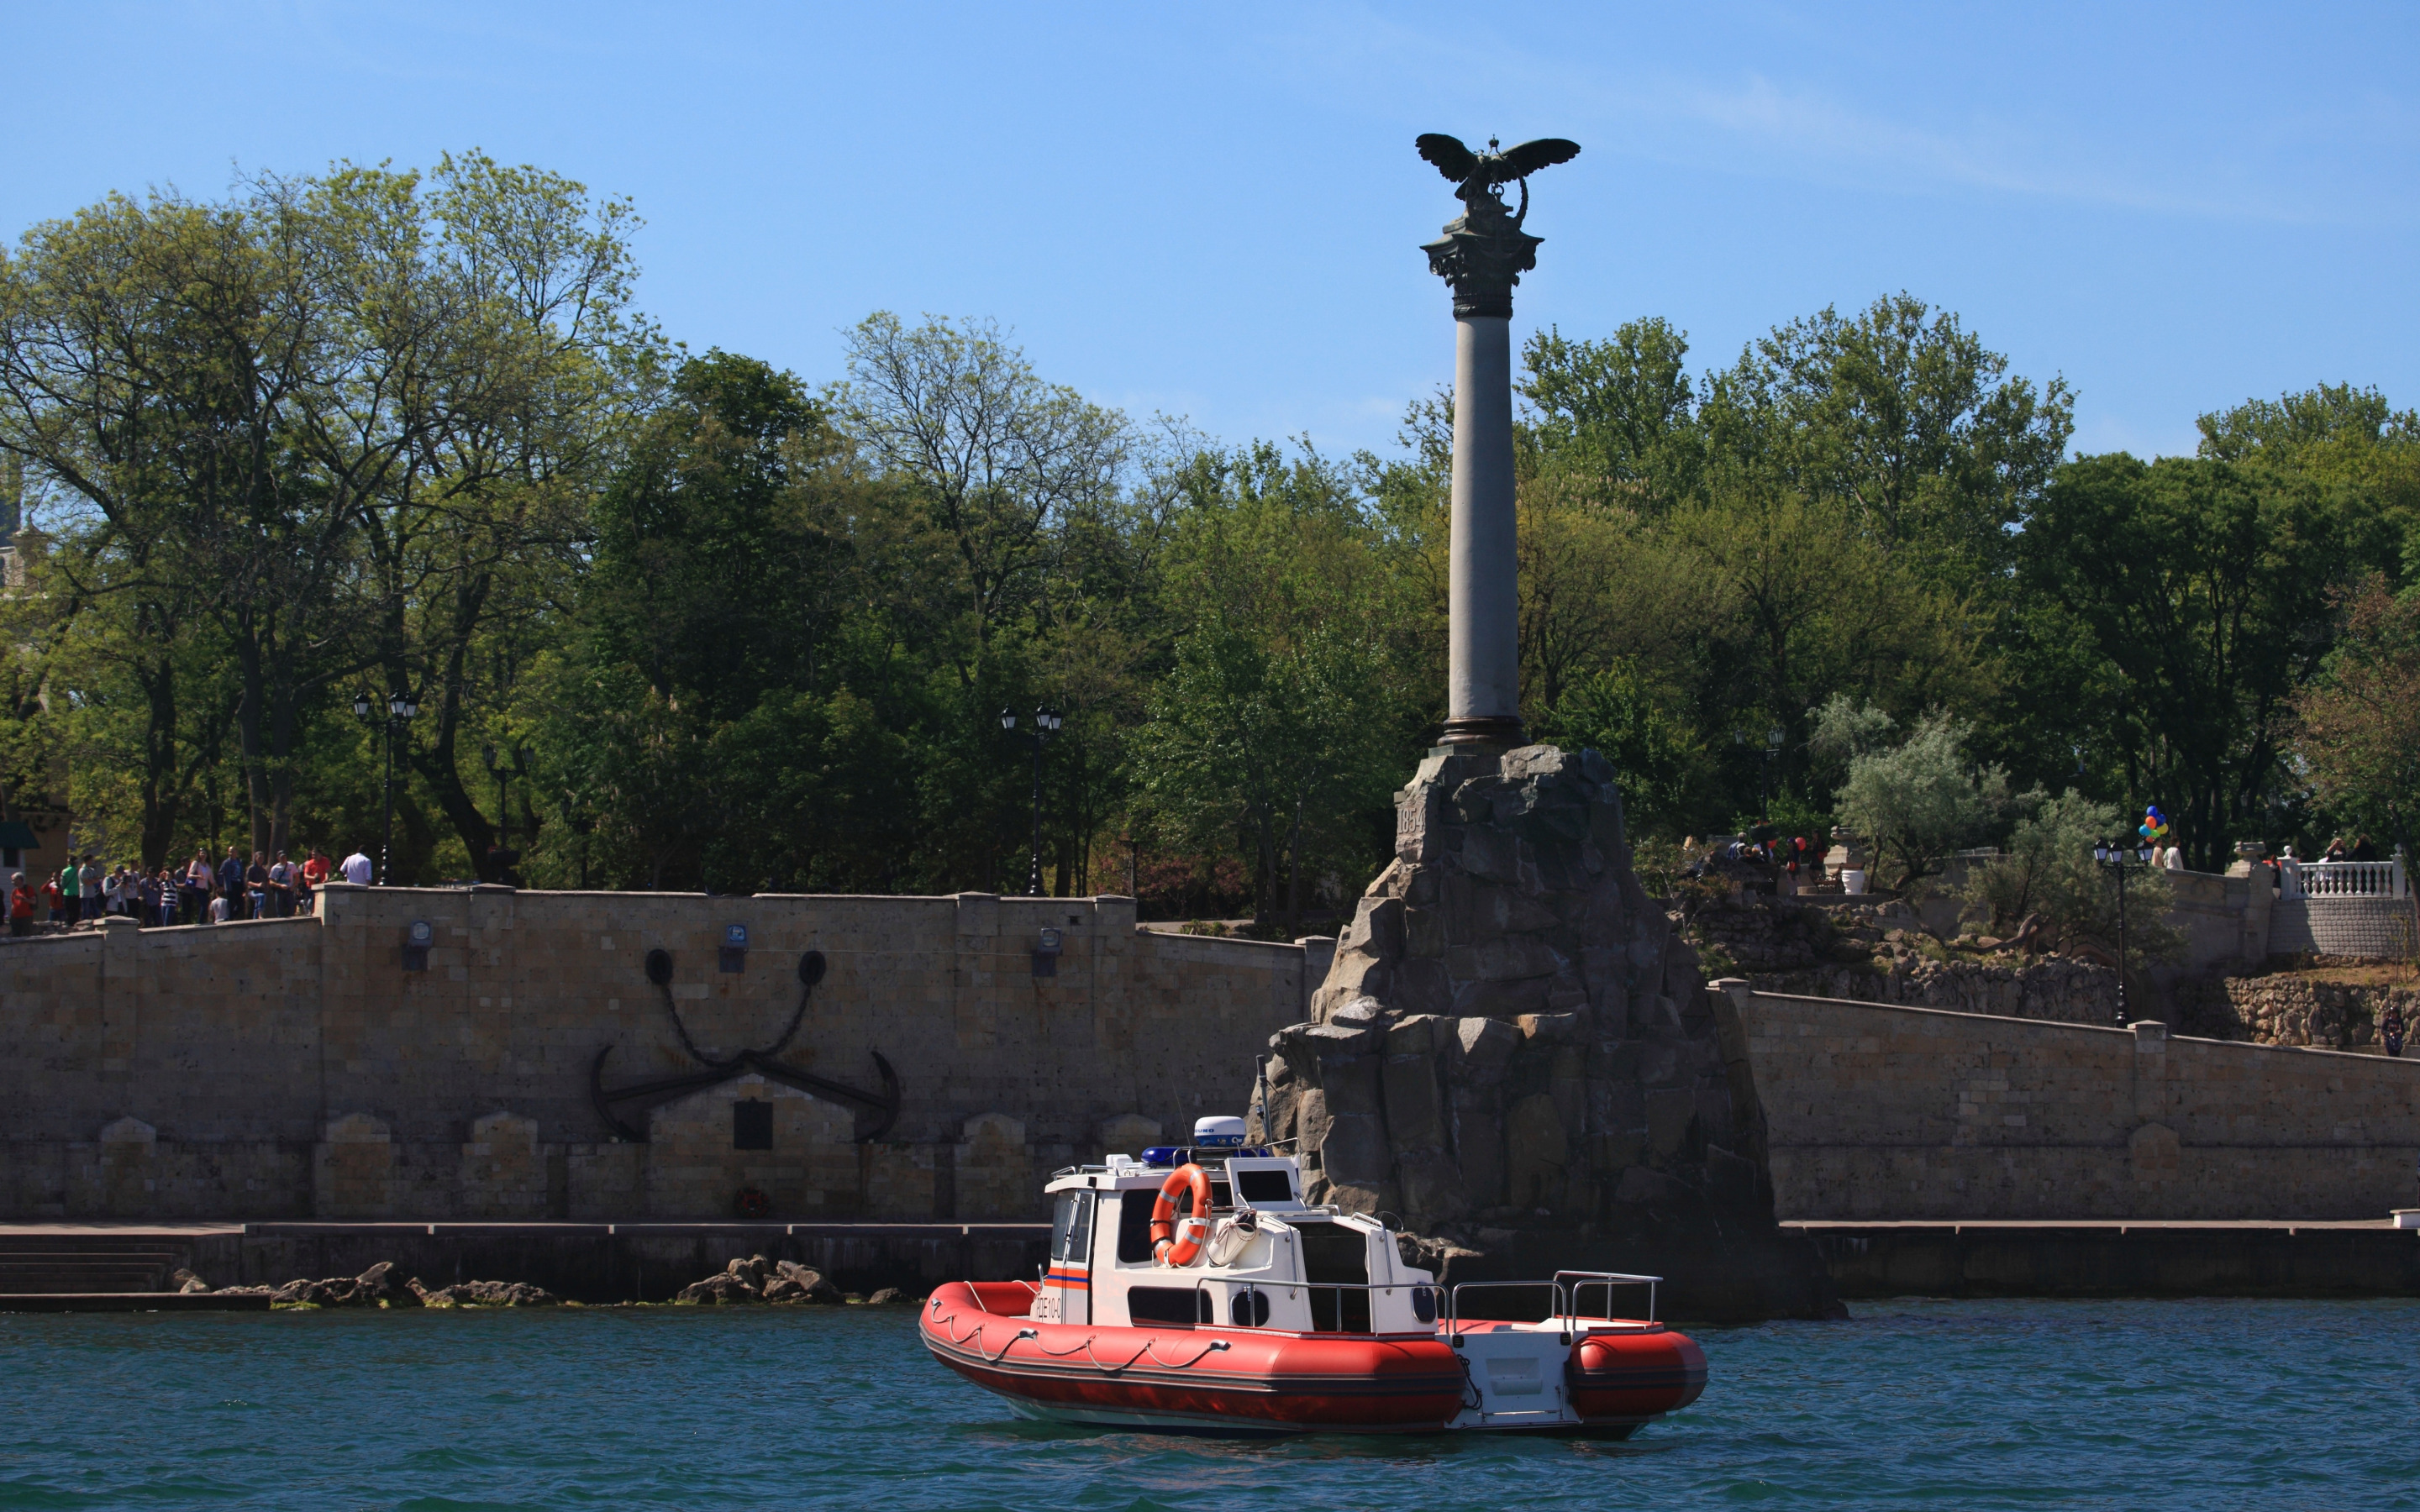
<point>884,1104</point>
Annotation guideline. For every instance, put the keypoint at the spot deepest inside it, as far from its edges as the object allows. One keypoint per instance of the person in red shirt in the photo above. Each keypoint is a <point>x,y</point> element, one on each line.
<point>21,906</point>
<point>57,898</point>
<point>315,871</point>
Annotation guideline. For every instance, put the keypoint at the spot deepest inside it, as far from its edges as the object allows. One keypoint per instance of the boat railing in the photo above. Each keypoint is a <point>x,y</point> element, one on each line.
<point>1566,1287</point>
<point>1576,1280</point>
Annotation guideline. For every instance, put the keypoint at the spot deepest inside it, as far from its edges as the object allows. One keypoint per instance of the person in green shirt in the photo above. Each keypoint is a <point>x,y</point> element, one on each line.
<point>71,891</point>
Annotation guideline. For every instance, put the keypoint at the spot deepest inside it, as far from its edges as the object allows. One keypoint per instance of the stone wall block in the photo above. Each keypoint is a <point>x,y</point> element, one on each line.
<point>1356,974</point>
<point>1431,1184</point>
<point>1500,999</point>
<point>1504,958</point>
<point>1414,1108</point>
<point>1312,1121</point>
<point>1129,1134</point>
<point>1424,932</point>
<point>1670,1111</point>
<point>2154,1154</point>
<point>1415,1035</point>
<point>1479,1049</point>
<point>1376,930</point>
<point>1421,986</point>
<point>353,1169</point>
<point>1616,1103</point>
<point>1490,854</point>
<point>1536,1154</point>
<point>1352,1083</point>
<point>501,1173</point>
<point>1355,1150</point>
<point>1641,1186</point>
<point>994,1174</point>
<point>1479,1144</point>
<point>1565,992</point>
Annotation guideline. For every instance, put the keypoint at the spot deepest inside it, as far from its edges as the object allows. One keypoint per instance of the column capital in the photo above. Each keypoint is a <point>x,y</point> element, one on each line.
<point>1482,256</point>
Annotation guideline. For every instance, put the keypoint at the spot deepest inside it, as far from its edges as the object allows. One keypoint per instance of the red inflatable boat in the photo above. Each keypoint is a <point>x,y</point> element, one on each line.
<point>1192,1294</point>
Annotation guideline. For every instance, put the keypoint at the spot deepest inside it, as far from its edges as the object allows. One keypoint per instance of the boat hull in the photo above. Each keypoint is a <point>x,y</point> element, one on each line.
<point>1251,1382</point>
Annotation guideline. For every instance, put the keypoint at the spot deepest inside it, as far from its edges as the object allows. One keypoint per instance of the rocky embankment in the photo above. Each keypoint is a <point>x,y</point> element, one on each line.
<point>1879,953</point>
<point>2294,1009</point>
<point>754,1279</point>
<point>378,1287</point>
<point>757,1279</point>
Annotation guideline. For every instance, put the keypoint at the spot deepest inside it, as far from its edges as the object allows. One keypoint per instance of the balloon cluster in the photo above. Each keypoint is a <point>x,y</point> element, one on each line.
<point>2154,828</point>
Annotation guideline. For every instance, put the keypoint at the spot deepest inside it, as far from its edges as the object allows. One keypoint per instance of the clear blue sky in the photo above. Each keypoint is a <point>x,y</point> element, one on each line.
<point>1214,210</point>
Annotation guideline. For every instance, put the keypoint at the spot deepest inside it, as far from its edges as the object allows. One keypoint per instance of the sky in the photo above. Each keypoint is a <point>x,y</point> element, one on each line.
<point>1215,212</point>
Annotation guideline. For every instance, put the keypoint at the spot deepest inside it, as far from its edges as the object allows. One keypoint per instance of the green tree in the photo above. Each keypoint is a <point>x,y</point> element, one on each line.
<point>1659,761</point>
<point>2196,593</point>
<point>2047,870</point>
<point>1619,413</point>
<point>1905,416</point>
<point>2358,734</point>
<point>1916,802</point>
<point>1273,725</point>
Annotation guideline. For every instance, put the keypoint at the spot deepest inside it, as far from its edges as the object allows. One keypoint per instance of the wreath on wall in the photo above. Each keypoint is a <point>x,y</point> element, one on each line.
<point>753,1203</point>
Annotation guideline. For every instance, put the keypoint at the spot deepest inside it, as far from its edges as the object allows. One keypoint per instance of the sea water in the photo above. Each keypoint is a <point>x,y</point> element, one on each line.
<point>1916,1404</point>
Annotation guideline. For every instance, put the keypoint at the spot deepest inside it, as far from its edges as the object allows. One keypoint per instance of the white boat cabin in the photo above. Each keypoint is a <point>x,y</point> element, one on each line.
<point>1271,1261</point>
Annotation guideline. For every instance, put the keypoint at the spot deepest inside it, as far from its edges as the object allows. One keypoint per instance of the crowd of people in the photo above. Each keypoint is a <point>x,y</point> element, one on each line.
<point>269,886</point>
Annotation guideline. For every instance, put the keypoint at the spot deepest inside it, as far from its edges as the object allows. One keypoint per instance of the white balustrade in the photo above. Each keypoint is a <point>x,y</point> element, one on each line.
<point>2346,879</point>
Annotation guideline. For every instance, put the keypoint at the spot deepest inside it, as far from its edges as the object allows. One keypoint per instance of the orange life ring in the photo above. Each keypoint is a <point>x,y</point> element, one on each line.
<point>1175,1242</point>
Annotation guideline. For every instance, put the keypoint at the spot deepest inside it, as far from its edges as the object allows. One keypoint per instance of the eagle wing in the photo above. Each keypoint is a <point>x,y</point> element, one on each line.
<point>1451,158</point>
<point>1545,152</point>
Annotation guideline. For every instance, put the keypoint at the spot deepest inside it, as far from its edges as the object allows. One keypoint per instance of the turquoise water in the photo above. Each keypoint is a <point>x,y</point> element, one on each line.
<point>1914,1404</point>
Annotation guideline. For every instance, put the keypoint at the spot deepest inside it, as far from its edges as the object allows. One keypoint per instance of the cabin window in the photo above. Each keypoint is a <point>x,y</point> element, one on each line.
<point>751,1125</point>
<point>1265,1186</point>
<point>1339,1256</point>
<point>1071,1226</point>
<point>1134,1227</point>
<point>1172,1306</point>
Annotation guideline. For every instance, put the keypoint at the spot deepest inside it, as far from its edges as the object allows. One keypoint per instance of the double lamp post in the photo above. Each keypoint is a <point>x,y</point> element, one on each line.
<point>400,708</point>
<point>1047,721</point>
<point>2121,858</point>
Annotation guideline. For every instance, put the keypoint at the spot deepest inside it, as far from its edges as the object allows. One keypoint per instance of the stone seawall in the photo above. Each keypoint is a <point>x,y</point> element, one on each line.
<point>2292,1010</point>
<point>304,1068</point>
<point>1875,1111</point>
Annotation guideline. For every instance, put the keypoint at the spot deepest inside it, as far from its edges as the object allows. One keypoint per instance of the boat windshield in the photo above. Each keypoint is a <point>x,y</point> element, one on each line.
<point>1071,1226</point>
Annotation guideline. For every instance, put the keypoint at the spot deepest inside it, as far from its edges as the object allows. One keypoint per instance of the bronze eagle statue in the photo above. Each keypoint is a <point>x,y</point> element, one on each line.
<point>1476,175</point>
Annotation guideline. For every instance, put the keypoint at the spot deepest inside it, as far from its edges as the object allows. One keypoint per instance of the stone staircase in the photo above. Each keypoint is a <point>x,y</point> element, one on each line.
<point>89,1262</point>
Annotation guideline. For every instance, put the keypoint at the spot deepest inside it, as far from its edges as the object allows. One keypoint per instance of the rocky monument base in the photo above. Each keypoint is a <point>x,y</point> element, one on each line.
<point>1513,1054</point>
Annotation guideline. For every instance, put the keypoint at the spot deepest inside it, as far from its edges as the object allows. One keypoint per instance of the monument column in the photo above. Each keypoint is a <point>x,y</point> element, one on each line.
<point>1483,655</point>
<point>1482,254</point>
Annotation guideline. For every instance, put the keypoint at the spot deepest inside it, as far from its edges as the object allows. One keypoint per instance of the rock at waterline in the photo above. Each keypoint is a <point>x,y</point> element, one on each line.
<point>758,1279</point>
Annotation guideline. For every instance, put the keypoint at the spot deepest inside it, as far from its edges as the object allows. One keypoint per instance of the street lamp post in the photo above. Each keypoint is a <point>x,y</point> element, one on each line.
<point>2119,859</point>
<point>1047,721</point>
<point>399,707</point>
<point>1773,739</point>
<point>501,772</point>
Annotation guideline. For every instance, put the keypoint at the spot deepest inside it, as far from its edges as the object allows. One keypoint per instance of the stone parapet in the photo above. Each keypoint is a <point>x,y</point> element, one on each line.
<point>2377,929</point>
<point>1875,1111</point>
<point>324,1067</point>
